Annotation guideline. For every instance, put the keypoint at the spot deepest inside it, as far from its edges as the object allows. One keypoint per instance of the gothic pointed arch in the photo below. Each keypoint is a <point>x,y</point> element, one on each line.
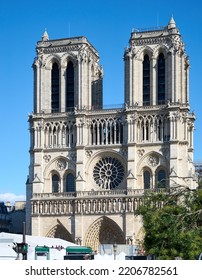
<point>48,62</point>
<point>66,57</point>
<point>144,50</point>
<point>160,49</point>
<point>148,167</point>
<point>161,177</point>
<point>55,183</point>
<point>69,182</point>
<point>147,175</point>
<point>59,166</point>
<point>59,163</point>
<point>59,231</point>
<point>152,160</point>
<point>104,231</point>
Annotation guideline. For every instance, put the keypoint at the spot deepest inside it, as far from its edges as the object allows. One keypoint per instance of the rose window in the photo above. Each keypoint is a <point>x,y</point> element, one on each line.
<point>108,173</point>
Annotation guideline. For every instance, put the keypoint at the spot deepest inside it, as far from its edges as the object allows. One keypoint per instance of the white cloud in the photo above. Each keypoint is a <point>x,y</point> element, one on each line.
<point>11,197</point>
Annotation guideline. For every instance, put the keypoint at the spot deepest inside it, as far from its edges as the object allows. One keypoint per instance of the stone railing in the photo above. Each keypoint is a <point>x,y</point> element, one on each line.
<point>86,206</point>
<point>92,193</point>
<point>56,195</point>
<point>88,202</point>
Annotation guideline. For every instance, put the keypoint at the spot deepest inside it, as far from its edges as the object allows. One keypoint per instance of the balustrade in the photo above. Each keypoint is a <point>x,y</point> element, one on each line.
<point>86,206</point>
<point>82,194</point>
<point>89,202</point>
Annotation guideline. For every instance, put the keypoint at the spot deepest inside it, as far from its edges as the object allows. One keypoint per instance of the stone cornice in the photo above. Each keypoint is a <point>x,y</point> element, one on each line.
<point>60,49</point>
<point>149,41</point>
<point>51,49</point>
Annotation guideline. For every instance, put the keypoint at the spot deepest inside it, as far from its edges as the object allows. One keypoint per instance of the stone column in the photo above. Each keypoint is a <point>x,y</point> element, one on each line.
<point>153,89</point>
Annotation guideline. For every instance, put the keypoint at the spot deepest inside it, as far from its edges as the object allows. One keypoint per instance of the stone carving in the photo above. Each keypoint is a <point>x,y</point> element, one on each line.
<point>153,160</point>
<point>89,153</point>
<point>61,49</point>
<point>178,44</point>
<point>152,41</point>
<point>47,158</point>
<point>141,152</point>
<point>60,164</point>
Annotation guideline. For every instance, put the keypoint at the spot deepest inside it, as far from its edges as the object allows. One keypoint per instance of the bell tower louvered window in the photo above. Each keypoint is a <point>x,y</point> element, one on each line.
<point>161,79</point>
<point>70,87</point>
<point>55,88</point>
<point>146,80</point>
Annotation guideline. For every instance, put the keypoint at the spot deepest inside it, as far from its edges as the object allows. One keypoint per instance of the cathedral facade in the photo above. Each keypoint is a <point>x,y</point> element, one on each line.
<point>90,166</point>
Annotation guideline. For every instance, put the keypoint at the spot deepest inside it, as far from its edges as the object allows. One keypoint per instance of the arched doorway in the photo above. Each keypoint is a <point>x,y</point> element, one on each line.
<point>60,231</point>
<point>104,231</point>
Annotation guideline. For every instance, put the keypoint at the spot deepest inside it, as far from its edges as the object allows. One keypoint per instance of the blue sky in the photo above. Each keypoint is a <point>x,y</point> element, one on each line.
<point>107,25</point>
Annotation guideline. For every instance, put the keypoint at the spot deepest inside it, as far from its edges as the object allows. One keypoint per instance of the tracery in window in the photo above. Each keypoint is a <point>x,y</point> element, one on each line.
<point>106,131</point>
<point>108,173</point>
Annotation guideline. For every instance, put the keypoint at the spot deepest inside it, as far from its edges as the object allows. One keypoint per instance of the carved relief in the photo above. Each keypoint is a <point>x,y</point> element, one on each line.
<point>153,160</point>
<point>150,41</point>
<point>89,153</point>
<point>47,158</point>
<point>140,152</point>
<point>60,164</point>
<point>177,43</point>
<point>61,49</point>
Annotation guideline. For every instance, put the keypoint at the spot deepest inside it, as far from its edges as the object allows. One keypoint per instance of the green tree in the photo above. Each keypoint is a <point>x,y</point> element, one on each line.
<point>173,223</point>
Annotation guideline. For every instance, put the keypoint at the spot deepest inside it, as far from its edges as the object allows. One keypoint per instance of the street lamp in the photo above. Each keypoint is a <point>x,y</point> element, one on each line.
<point>115,250</point>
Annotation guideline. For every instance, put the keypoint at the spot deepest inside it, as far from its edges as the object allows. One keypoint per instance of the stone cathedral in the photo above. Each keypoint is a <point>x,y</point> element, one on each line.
<point>90,166</point>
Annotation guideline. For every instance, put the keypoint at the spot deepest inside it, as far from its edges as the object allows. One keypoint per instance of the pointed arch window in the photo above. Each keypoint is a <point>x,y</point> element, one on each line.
<point>70,86</point>
<point>55,88</point>
<point>146,80</point>
<point>161,178</point>
<point>70,183</point>
<point>161,79</point>
<point>55,183</point>
<point>147,179</point>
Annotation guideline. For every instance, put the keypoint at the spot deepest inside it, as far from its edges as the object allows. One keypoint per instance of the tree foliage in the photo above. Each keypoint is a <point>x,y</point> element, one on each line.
<point>173,223</point>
